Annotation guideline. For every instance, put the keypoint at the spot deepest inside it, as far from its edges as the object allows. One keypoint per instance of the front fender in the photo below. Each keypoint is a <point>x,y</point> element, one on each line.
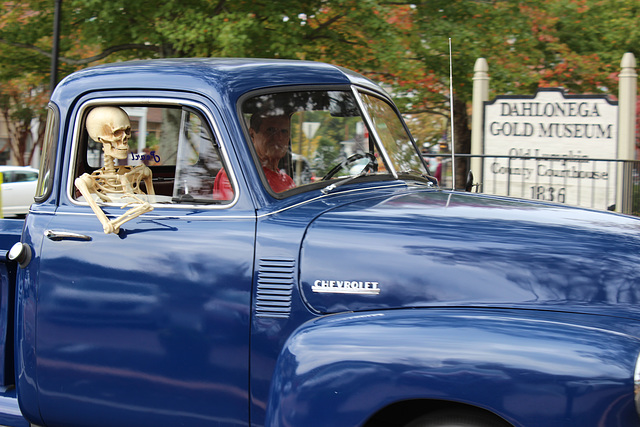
<point>531,368</point>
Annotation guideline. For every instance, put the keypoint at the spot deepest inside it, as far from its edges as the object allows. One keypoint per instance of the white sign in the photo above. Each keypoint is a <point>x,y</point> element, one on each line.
<point>559,141</point>
<point>310,129</point>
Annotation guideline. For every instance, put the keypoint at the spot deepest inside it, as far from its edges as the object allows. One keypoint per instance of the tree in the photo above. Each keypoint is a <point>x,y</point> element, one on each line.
<point>403,45</point>
<point>22,98</point>
<point>575,44</point>
<point>93,31</point>
<point>22,108</point>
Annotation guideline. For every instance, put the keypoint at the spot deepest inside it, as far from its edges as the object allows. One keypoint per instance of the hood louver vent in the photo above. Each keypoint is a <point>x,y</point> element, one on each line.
<point>275,287</point>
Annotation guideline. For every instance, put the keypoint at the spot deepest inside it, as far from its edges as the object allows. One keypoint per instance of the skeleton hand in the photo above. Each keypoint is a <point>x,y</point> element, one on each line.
<point>113,226</point>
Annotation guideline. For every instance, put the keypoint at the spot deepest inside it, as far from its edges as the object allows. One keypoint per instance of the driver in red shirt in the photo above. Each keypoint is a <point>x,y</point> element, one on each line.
<point>270,136</point>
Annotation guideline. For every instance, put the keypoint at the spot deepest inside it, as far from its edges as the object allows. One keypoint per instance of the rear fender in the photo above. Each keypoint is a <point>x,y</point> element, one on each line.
<point>342,369</point>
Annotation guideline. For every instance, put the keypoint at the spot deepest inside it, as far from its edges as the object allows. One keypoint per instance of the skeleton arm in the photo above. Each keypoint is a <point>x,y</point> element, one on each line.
<point>137,174</point>
<point>148,181</point>
<point>86,185</point>
<point>130,214</point>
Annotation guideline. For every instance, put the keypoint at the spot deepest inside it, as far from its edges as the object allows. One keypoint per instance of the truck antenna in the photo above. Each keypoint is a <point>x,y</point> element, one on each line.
<point>453,143</point>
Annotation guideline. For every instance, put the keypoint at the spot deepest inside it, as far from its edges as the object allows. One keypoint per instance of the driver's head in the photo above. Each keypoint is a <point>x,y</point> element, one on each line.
<point>270,136</point>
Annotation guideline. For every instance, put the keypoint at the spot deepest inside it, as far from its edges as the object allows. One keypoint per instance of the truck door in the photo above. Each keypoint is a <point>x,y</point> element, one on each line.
<point>150,326</point>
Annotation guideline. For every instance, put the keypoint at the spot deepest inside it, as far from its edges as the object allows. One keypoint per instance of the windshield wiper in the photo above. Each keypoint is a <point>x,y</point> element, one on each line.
<point>345,180</point>
<point>432,180</point>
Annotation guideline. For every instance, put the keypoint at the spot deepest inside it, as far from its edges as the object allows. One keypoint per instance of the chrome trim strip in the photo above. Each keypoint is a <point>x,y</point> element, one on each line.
<point>355,190</point>
<point>155,215</point>
<point>152,216</point>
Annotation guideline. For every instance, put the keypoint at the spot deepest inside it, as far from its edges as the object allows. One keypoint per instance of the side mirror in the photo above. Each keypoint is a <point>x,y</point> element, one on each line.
<point>468,186</point>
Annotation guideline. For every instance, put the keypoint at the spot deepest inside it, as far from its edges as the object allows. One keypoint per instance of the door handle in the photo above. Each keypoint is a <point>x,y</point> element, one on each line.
<point>65,235</point>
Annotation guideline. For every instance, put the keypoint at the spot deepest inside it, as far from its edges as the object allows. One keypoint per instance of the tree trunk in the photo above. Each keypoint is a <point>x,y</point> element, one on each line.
<point>462,137</point>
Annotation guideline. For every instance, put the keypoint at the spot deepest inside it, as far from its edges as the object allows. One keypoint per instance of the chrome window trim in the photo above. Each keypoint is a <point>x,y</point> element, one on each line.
<point>385,98</point>
<point>365,113</point>
<point>355,87</point>
<point>52,129</point>
<point>177,102</point>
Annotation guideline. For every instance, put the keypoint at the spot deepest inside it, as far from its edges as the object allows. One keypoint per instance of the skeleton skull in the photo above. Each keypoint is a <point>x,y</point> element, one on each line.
<point>111,127</point>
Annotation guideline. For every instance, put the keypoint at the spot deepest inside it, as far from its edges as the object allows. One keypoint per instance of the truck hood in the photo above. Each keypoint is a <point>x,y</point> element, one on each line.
<point>431,248</point>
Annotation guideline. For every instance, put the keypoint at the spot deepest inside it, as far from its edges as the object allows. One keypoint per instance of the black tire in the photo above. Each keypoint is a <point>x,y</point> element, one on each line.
<point>458,418</point>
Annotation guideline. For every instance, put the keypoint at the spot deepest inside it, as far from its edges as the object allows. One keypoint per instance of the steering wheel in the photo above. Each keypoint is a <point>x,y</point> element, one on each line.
<point>372,164</point>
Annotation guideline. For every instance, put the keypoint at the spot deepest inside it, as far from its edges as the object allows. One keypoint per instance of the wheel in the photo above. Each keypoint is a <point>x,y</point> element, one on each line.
<point>458,418</point>
<point>371,164</point>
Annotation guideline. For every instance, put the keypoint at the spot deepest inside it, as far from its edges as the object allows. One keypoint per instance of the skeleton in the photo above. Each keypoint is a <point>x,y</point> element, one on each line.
<point>110,126</point>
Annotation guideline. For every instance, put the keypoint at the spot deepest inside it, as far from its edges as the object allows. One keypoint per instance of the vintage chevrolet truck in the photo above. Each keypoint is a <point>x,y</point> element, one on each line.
<point>178,270</point>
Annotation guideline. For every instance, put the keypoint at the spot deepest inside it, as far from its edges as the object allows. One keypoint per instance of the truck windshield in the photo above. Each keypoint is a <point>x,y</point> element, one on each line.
<point>396,140</point>
<point>322,137</point>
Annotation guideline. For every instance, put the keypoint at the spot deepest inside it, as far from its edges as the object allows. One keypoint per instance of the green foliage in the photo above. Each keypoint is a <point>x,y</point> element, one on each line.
<point>576,44</point>
<point>326,156</point>
<point>405,45</point>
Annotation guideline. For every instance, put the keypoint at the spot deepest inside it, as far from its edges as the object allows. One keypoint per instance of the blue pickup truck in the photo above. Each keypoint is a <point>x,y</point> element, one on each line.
<point>227,242</point>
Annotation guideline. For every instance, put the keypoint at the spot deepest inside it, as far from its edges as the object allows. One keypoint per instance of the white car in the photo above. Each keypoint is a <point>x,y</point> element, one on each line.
<point>18,189</point>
